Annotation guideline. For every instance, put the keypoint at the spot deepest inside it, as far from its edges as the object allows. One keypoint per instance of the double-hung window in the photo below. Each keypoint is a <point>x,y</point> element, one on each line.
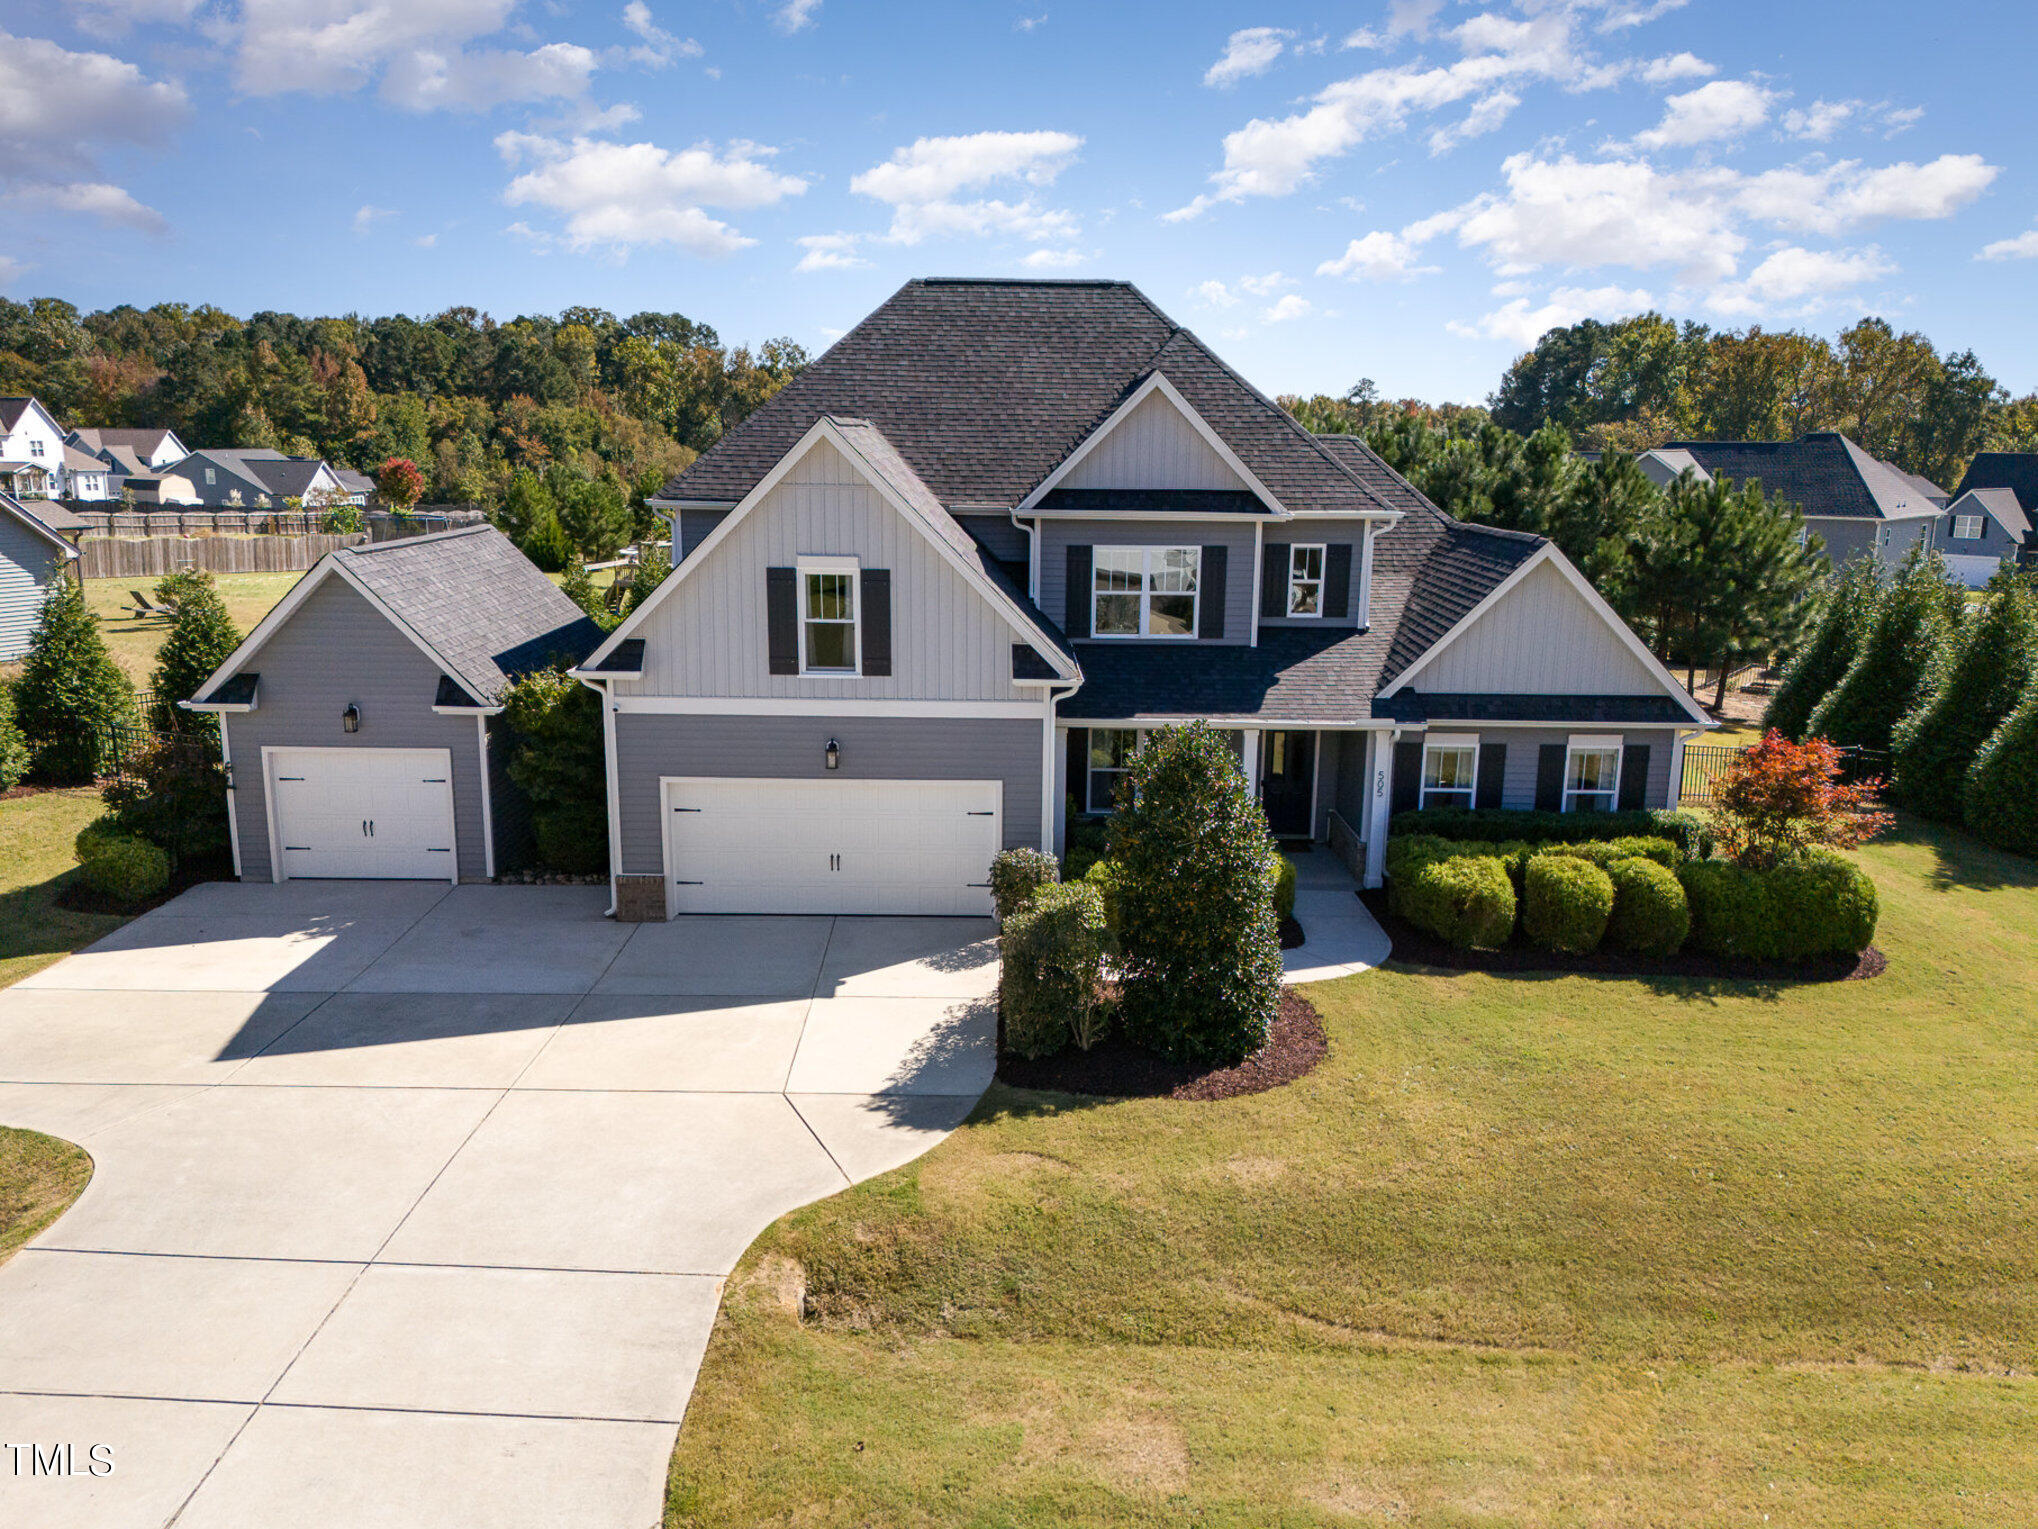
<point>828,638</point>
<point>1111,751</point>
<point>1305,580</point>
<point>34,447</point>
<point>1967,528</point>
<point>1450,769</point>
<point>1592,773</point>
<point>1145,591</point>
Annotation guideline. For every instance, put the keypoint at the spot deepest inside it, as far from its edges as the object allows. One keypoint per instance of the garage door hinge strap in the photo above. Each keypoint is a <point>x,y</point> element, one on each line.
<point>686,809</point>
<point>689,883</point>
<point>982,814</point>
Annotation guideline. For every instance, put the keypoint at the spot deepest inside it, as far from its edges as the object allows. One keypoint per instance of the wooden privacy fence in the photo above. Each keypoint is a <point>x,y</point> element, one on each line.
<point>150,557</point>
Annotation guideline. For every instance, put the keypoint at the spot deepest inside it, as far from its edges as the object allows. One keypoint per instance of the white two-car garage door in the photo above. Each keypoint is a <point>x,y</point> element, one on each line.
<point>362,813</point>
<point>831,846</point>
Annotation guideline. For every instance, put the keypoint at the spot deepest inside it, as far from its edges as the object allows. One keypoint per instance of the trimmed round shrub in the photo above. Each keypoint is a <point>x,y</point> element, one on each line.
<point>95,834</point>
<point>1819,903</point>
<point>1016,874</point>
<point>1053,961</point>
<point>1688,831</point>
<point>126,869</point>
<point>1604,852</point>
<point>1651,915</point>
<point>1467,900</point>
<point>1284,889</point>
<point>1729,906</point>
<point>1567,903</point>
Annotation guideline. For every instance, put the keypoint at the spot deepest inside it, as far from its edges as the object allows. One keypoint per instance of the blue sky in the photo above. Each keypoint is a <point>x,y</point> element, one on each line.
<point>1407,191</point>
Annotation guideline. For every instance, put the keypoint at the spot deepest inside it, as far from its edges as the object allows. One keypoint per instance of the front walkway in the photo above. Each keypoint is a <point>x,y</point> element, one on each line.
<point>1339,937</point>
<point>413,1206</point>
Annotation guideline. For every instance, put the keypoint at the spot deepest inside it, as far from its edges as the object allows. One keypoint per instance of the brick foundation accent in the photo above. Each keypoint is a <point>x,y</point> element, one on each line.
<point>640,899</point>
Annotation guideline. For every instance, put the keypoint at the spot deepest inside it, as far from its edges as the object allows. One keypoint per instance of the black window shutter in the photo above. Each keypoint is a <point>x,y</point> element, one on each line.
<point>1492,774</point>
<point>1337,580</point>
<point>1550,777</point>
<point>1078,783</point>
<point>1634,777</point>
<point>1407,776</point>
<point>782,619</point>
<point>875,590</point>
<point>1210,615</point>
<point>1075,620</point>
<point>1273,581</point>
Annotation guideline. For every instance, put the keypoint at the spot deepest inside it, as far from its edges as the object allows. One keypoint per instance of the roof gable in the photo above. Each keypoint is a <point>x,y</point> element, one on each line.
<point>1154,440</point>
<point>14,509</point>
<point>1823,473</point>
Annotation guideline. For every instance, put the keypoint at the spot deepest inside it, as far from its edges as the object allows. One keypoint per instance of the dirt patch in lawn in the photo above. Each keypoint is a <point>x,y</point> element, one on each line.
<point>1115,1068</point>
<point>1418,947</point>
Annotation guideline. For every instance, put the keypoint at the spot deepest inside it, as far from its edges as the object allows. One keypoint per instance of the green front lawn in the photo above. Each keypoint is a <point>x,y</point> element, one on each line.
<point>39,1178</point>
<point>37,831</point>
<point>1541,1251</point>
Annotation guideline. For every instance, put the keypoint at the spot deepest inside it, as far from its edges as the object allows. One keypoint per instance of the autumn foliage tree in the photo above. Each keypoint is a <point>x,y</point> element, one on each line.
<point>1781,798</point>
<point>400,482</point>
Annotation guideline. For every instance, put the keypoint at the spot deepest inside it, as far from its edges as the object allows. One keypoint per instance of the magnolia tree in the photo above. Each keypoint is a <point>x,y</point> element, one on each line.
<point>1780,798</point>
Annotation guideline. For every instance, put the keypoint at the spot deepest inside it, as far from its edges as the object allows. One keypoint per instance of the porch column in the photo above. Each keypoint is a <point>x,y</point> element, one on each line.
<point>1379,797</point>
<point>1250,742</point>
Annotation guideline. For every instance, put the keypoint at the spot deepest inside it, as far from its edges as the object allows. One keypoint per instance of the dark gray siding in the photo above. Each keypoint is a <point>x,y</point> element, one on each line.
<point>1524,745</point>
<point>695,527</point>
<point>1241,596</point>
<point>1888,540</point>
<point>1993,542</point>
<point>338,649</point>
<point>1327,533</point>
<point>28,566</point>
<point>1005,541</point>
<point>654,744</point>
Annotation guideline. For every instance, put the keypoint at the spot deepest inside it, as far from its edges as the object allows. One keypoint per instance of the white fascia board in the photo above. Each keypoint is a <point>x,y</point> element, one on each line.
<point>1226,517</point>
<point>467,711</point>
<point>660,502</point>
<point>1548,553</point>
<point>216,707</point>
<point>816,706</point>
<point>1156,382</point>
<point>1226,721</point>
<point>825,429</point>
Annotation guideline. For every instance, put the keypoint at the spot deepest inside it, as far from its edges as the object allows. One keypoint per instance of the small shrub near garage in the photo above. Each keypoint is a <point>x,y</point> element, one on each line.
<point>1566,903</point>
<point>1200,951</point>
<point>556,757</point>
<point>1284,890</point>
<point>125,868</point>
<point>1651,916</point>
<point>1016,874</point>
<point>1053,962</point>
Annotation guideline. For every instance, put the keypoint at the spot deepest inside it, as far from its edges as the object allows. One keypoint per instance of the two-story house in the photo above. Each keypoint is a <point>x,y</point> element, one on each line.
<point>933,593</point>
<point>120,454</point>
<point>1993,516</point>
<point>260,478</point>
<point>31,450</point>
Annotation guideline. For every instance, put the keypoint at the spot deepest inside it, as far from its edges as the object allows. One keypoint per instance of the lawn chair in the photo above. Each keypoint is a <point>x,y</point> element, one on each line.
<point>141,607</point>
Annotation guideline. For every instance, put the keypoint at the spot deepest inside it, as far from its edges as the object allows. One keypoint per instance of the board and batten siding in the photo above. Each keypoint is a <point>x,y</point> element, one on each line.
<point>337,649</point>
<point>1540,638</point>
<point>650,745</point>
<point>28,566</point>
<point>1153,447</point>
<point>1240,597</point>
<point>709,637</point>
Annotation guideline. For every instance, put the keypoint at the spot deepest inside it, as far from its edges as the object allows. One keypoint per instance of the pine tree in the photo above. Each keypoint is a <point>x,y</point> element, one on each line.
<point>546,543</point>
<point>13,747</point>
<point>527,504</point>
<point>2000,799</point>
<point>579,588</point>
<point>202,638</point>
<point>1996,657</point>
<point>71,693</point>
<point>1852,597</point>
<point>1901,663</point>
<point>1596,521</point>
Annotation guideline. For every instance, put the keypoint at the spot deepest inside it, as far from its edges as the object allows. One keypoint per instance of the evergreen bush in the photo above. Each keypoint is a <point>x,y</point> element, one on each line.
<point>1852,596</point>
<point>125,868</point>
<point>1900,662</point>
<point>1689,831</point>
<point>556,758</point>
<point>71,694</point>
<point>1052,960</point>
<point>13,747</point>
<point>1999,800</point>
<point>1651,915</point>
<point>546,543</point>
<point>1937,742</point>
<point>1016,874</point>
<point>1566,904</point>
<point>1284,889</point>
<point>1467,900</point>
<point>202,637</point>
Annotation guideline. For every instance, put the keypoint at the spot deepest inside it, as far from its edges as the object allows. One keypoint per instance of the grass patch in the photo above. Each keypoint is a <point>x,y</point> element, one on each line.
<point>1549,1250</point>
<point>38,830</point>
<point>133,641</point>
<point>39,1178</point>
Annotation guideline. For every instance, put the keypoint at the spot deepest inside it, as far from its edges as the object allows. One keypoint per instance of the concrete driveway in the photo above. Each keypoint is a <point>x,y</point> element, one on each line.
<point>412,1206</point>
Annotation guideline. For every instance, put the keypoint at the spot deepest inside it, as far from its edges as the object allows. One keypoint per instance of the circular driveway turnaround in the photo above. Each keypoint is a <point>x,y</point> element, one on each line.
<point>412,1205</point>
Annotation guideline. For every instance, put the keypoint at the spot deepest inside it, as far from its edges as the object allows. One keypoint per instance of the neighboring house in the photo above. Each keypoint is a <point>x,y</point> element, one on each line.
<point>1993,516</point>
<point>358,718</point>
<point>258,478</point>
<point>127,454</point>
<point>162,487</point>
<point>37,543</point>
<point>1857,504</point>
<point>933,592</point>
<point>358,488</point>
<point>31,450</point>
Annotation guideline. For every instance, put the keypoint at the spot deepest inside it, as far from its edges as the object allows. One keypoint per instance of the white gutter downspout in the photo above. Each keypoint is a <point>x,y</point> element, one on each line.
<point>1032,530</point>
<point>1050,799</point>
<point>608,730</point>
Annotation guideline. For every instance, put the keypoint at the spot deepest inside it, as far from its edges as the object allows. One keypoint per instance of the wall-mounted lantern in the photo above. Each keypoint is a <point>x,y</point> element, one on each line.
<point>350,719</point>
<point>833,755</point>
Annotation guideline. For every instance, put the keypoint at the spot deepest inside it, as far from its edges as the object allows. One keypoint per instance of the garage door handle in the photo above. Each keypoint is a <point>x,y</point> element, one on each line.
<point>431,849</point>
<point>435,780</point>
<point>976,883</point>
<point>304,847</point>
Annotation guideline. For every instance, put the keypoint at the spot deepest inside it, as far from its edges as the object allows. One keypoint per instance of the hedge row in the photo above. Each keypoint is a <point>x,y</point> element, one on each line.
<point>1689,831</point>
<point>1819,904</point>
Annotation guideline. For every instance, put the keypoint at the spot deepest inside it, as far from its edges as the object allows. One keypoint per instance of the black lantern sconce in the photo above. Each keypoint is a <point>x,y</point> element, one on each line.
<point>833,755</point>
<point>350,719</point>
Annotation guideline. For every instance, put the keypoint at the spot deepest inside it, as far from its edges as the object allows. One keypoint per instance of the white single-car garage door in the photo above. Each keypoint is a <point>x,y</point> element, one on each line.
<point>362,813</point>
<point>831,846</point>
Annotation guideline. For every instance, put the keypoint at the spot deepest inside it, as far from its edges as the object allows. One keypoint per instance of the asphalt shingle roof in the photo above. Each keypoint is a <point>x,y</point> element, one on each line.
<point>44,516</point>
<point>1822,474</point>
<point>1999,504</point>
<point>2016,471</point>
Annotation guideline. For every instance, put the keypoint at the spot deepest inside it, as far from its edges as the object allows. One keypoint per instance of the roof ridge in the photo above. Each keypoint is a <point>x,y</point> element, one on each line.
<point>361,549</point>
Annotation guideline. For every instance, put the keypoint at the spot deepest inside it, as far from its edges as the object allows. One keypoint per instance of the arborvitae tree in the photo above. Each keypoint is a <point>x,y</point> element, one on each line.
<point>1853,595</point>
<point>527,504</point>
<point>1995,658</point>
<point>13,747</point>
<point>202,638</point>
<point>2000,800</point>
<point>1901,662</point>
<point>71,693</point>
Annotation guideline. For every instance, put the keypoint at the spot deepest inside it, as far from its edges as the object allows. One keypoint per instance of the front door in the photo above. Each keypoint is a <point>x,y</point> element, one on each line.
<point>1288,782</point>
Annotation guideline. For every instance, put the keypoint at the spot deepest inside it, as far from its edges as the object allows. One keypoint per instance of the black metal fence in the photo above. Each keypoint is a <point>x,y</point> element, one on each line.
<point>1704,764</point>
<point>169,787</point>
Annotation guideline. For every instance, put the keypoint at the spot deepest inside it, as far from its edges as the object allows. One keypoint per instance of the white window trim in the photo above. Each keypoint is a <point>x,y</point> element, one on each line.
<point>1970,535</point>
<point>1450,741</point>
<point>1580,743</point>
<point>1322,579</point>
<point>853,568</point>
<point>1146,593</point>
<point>1090,809</point>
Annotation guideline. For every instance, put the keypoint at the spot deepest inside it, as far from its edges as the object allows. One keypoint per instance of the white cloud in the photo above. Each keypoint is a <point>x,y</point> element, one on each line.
<point>1794,274</point>
<point>1293,306</point>
<point>1487,113</point>
<point>1379,256</point>
<point>1247,52</point>
<point>1902,120</point>
<point>1819,121</point>
<point>1619,17</point>
<point>482,79</point>
<point>1672,67</point>
<point>1523,325</point>
<point>617,195</point>
<point>829,252</point>
<point>1054,260</point>
<point>2023,247</point>
<point>1215,293</point>
<point>659,47</point>
<point>367,215</point>
<point>114,18</point>
<point>1029,23</point>
<point>90,199</point>
<point>924,183</point>
<point>795,15</point>
<point>1722,109</point>
<point>1844,195</point>
<point>1267,285</point>
<point>56,103</point>
<point>425,241</point>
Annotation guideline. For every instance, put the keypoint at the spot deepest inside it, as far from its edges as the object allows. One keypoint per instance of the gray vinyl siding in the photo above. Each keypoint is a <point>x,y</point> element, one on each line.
<point>1326,533</point>
<point>337,649</point>
<point>1241,598</point>
<point>28,566</point>
<point>1993,542</point>
<point>695,526</point>
<point>1849,537</point>
<point>1154,446</point>
<point>1524,746</point>
<point>1005,541</point>
<point>709,636</point>
<point>1540,638</point>
<point>650,745</point>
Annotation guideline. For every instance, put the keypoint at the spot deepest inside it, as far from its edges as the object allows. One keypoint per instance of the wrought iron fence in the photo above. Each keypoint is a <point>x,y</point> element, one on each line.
<point>1704,764</point>
<point>170,787</point>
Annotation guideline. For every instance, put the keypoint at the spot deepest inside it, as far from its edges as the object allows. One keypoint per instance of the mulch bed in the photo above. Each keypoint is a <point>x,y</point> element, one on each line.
<point>1117,1069</point>
<point>1419,947</point>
